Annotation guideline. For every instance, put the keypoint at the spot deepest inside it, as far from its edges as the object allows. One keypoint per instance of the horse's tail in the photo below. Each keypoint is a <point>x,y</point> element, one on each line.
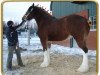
<point>88,25</point>
<point>87,29</point>
<point>89,22</point>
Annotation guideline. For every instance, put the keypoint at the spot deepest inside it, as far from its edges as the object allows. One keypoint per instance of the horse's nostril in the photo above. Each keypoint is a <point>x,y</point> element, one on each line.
<point>22,18</point>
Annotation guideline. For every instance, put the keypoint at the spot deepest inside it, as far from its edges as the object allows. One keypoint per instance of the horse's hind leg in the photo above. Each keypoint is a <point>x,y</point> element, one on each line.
<point>82,44</point>
<point>46,60</point>
<point>84,67</point>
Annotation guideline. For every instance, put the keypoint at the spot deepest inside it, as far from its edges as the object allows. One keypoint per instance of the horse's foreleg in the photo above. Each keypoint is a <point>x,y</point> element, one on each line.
<point>46,60</point>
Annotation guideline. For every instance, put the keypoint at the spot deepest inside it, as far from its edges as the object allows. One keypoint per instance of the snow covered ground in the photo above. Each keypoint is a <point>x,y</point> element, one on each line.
<point>35,49</point>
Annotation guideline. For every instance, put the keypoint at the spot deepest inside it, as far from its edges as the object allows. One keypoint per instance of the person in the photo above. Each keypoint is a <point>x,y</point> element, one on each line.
<point>12,37</point>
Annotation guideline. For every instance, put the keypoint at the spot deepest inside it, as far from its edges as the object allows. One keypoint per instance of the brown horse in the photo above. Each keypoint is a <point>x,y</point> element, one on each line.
<point>53,29</point>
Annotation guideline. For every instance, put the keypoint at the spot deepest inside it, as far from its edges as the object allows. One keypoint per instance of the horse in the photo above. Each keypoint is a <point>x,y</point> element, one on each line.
<point>58,29</point>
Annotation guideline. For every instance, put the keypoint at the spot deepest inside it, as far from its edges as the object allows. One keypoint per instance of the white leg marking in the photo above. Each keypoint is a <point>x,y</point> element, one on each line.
<point>84,67</point>
<point>46,60</point>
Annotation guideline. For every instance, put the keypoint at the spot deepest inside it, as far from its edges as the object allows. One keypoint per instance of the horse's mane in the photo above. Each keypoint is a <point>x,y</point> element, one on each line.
<point>43,11</point>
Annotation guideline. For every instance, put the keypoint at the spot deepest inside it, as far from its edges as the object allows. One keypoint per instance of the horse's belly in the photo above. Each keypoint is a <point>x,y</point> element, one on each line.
<point>57,37</point>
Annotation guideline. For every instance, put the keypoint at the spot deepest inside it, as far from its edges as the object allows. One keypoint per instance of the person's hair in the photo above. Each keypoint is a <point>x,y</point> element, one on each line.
<point>9,23</point>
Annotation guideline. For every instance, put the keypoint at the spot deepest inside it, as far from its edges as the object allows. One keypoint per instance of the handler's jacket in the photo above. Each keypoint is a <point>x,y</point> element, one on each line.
<point>12,35</point>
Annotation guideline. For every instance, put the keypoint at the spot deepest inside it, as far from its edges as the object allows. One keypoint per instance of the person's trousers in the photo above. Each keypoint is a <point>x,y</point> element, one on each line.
<point>10,56</point>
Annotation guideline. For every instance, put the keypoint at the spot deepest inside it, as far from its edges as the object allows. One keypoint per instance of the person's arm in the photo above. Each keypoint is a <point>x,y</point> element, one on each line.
<point>19,24</point>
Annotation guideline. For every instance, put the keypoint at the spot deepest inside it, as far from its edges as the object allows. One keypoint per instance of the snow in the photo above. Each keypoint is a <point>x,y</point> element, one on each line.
<point>35,48</point>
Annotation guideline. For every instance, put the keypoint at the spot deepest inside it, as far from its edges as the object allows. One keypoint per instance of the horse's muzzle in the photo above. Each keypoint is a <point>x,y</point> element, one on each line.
<point>23,21</point>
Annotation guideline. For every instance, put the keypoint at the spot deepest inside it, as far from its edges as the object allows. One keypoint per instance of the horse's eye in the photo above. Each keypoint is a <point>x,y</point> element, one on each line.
<point>30,9</point>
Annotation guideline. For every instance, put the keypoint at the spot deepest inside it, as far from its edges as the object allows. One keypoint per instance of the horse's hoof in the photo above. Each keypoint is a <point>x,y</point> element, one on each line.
<point>44,64</point>
<point>83,69</point>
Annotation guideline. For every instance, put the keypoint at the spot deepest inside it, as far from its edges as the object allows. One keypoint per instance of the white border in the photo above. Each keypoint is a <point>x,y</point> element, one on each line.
<point>98,34</point>
<point>99,37</point>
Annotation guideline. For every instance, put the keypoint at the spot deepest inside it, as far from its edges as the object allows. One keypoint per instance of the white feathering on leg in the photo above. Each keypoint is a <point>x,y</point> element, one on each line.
<point>46,60</point>
<point>84,66</point>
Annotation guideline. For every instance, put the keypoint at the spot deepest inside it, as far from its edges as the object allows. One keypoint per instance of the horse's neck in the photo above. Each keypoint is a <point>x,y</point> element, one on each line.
<point>40,18</point>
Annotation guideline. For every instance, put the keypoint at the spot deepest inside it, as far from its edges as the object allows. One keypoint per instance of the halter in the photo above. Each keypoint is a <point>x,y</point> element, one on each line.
<point>25,16</point>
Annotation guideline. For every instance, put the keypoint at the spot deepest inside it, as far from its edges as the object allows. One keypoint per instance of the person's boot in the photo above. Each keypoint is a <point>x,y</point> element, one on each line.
<point>9,66</point>
<point>20,62</point>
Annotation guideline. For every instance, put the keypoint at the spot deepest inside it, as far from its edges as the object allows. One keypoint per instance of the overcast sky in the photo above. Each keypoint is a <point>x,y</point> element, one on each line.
<point>15,10</point>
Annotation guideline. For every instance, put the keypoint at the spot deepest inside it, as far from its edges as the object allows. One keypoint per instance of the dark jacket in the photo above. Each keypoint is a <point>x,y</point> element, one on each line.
<point>12,35</point>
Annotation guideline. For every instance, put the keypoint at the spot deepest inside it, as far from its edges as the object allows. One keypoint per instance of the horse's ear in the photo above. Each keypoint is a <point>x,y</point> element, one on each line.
<point>33,5</point>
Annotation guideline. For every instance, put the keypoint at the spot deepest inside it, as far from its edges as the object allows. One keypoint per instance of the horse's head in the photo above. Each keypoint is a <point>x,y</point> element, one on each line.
<point>29,14</point>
